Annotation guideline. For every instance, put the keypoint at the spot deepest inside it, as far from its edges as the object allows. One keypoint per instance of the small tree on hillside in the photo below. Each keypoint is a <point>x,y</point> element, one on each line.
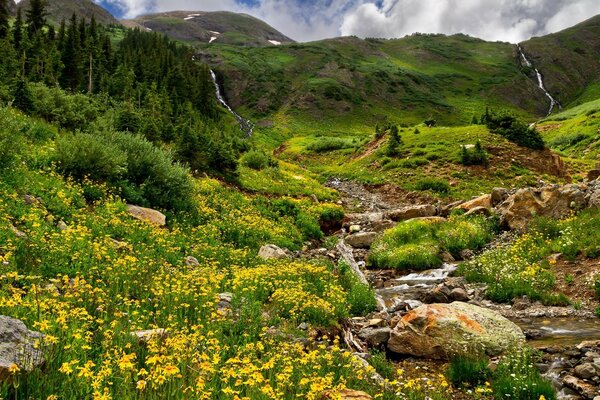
<point>36,17</point>
<point>4,16</point>
<point>394,142</point>
<point>23,99</point>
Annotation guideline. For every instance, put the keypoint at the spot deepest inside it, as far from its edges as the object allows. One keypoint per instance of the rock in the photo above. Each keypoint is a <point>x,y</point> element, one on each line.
<point>439,331</point>
<point>593,175</point>
<point>18,347</point>
<point>479,211</point>
<point>303,326</point>
<point>439,294</point>
<point>224,303</point>
<point>62,226</point>
<point>383,225</point>
<point>375,336</point>
<point>147,215</point>
<point>447,257</point>
<point>376,323</point>
<point>466,254</point>
<point>583,388</point>
<point>594,200</point>
<point>585,371</point>
<point>361,240</point>
<point>145,336</point>
<point>459,294</point>
<point>18,233</point>
<point>521,303</point>
<point>410,212</point>
<point>484,201</point>
<point>550,201</point>
<point>498,196</point>
<point>191,261</point>
<point>428,219</point>
<point>354,228</point>
<point>272,252</point>
<point>31,200</point>
<point>346,394</point>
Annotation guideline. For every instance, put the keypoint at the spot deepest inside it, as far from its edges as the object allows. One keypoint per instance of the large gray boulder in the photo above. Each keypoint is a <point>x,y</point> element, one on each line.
<point>18,347</point>
<point>361,240</point>
<point>440,331</point>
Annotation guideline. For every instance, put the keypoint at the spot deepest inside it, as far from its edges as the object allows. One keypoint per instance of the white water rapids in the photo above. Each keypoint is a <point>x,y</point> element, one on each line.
<point>245,125</point>
<point>553,102</point>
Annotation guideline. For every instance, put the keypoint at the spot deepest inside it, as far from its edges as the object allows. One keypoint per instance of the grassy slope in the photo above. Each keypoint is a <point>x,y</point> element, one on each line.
<point>575,133</point>
<point>569,60</point>
<point>447,78</point>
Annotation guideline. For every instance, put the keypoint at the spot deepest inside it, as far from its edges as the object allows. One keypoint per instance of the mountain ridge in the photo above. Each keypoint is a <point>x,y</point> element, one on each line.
<point>63,9</point>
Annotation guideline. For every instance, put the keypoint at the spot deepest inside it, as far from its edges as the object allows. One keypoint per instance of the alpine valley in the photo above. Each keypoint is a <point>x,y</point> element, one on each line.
<point>193,205</point>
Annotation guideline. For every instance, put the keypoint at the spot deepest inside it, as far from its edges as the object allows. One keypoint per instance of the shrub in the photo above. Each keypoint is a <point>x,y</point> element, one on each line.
<point>258,160</point>
<point>360,297</point>
<point>382,365</point>
<point>468,371</point>
<point>433,184</point>
<point>142,172</point>
<point>514,130</point>
<point>475,156</point>
<point>394,142</point>
<point>326,144</point>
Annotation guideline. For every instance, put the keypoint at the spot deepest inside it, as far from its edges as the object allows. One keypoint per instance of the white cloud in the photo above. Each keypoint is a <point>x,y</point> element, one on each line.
<point>304,20</point>
<point>506,20</point>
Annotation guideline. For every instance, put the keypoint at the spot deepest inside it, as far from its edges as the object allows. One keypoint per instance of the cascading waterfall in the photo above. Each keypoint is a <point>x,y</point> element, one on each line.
<point>553,102</point>
<point>245,125</point>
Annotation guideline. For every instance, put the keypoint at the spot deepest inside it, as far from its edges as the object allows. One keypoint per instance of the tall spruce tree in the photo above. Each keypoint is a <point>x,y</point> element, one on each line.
<point>36,17</point>
<point>4,16</point>
<point>18,31</point>
<point>71,57</point>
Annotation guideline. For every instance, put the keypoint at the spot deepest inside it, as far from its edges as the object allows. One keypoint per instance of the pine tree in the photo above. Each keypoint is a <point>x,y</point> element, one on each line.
<point>18,31</point>
<point>36,17</point>
<point>4,17</point>
<point>394,142</point>
<point>23,99</point>
<point>71,58</point>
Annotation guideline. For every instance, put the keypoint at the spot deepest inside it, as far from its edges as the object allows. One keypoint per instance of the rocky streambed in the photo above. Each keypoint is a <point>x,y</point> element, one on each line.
<point>421,313</point>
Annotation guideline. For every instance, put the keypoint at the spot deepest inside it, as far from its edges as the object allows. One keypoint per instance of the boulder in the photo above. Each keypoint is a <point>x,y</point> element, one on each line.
<point>585,389</point>
<point>479,211</point>
<point>361,240</point>
<point>145,336</point>
<point>498,196</point>
<point>459,294</point>
<point>272,252</point>
<point>375,336</point>
<point>484,201</point>
<point>586,371</point>
<point>550,201</point>
<point>440,331</point>
<point>410,212</point>
<point>18,347</point>
<point>593,175</point>
<point>191,261</point>
<point>346,394</point>
<point>147,215</point>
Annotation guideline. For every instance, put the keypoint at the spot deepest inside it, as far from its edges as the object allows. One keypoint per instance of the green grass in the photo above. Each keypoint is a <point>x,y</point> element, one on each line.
<point>419,244</point>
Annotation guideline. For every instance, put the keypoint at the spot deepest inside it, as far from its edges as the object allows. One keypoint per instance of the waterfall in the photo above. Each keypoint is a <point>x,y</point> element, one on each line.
<point>553,102</point>
<point>245,125</point>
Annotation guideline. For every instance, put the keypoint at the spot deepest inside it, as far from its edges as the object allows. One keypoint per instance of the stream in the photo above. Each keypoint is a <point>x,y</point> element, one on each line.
<point>553,102</point>
<point>245,125</point>
<point>404,292</point>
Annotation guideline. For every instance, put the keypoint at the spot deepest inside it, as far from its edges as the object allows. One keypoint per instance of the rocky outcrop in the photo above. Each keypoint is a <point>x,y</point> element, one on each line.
<point>147,215</point>
<point>272,252</point>
<point>479,202</point>
<point>18,347</point>
<point>439,331</point>
<point>551,201</point>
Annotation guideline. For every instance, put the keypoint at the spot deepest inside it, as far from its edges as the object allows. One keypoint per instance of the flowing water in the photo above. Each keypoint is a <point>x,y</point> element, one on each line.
<point>560,331</point>
<point>553,102</point>
<point>245,125</point>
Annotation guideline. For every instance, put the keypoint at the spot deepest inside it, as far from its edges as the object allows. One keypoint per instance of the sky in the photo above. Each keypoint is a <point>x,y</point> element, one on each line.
<point>307,20</point>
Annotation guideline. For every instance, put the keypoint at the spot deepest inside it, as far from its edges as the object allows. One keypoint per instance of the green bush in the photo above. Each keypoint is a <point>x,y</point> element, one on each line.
<point>382,365</point>
<point>516,131</point>
<point>474,156</point>
<point>359,296</point>
<point>327,144</point>
<point>258,160</point>
<point>433,184</point>
<point>143,173</point>
<point>468,371</point>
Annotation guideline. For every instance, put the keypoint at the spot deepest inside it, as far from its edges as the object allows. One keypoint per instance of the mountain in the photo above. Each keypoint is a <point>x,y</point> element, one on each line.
<point>12,6</point>
<point>63,9</point>
<point>218,27</point>
<point>569,61</point>
<point>449,78</point>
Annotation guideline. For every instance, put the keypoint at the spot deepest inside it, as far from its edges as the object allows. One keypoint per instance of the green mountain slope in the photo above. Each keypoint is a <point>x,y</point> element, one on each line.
<point>449,78</point>
<point>218,27</point>
<point>569,61</point>
<point>63,9</point>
